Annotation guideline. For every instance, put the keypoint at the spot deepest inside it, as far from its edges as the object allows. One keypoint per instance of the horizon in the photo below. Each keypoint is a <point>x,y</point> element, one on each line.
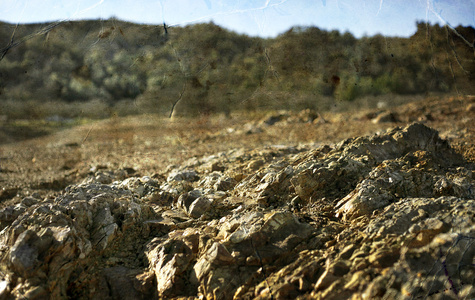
<point>228,29</point>
<point>265,19</point>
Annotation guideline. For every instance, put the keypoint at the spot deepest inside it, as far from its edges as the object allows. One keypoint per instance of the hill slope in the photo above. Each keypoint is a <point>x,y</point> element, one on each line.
<point>214,70</point>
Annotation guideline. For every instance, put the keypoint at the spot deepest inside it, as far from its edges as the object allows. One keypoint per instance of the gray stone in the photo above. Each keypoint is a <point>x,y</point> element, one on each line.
<point>199,207</point>
<point>184,175</point>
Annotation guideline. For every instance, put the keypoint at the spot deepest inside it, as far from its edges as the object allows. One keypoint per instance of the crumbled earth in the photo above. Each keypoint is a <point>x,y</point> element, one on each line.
<point>369,205</point>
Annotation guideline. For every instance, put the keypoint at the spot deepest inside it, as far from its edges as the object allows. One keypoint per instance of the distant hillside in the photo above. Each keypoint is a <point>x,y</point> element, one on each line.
<point>211,69</point>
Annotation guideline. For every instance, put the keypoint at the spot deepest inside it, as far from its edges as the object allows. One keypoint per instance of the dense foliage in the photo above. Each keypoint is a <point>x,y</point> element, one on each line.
<point>210,69</point>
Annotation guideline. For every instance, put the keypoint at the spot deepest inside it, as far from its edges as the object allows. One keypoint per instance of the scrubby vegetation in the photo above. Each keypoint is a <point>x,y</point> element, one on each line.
<point>115,67</point>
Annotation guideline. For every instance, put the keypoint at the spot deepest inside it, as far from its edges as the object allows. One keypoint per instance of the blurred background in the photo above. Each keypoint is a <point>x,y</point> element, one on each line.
<point>67,62</point>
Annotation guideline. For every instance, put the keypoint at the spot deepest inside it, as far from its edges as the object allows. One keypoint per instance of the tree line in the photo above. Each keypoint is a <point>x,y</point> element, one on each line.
<point>205,68</point>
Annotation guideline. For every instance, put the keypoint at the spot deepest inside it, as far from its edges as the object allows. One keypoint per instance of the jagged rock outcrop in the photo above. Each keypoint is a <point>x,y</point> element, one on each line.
<point>387,216</point>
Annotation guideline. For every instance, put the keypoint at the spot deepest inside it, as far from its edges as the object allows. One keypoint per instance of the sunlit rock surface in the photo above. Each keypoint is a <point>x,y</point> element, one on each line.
<point>388,216</point>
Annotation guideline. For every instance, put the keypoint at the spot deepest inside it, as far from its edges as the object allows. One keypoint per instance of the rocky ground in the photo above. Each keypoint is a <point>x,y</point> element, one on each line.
<point>362,205</point>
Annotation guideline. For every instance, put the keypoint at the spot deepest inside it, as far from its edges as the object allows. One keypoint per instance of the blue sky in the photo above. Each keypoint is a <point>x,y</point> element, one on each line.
<point>265,18</point>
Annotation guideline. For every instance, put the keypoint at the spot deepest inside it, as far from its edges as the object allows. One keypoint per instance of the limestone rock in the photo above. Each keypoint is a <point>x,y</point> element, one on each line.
<point>386,216</point>
<point>183,175</point>
<point>171,261</point>
<point>199,207</point>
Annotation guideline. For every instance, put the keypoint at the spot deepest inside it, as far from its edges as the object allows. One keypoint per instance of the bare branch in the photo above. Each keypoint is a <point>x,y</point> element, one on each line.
<point>471,45</point>
<point>13,44</point>
<point>177,100</point>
